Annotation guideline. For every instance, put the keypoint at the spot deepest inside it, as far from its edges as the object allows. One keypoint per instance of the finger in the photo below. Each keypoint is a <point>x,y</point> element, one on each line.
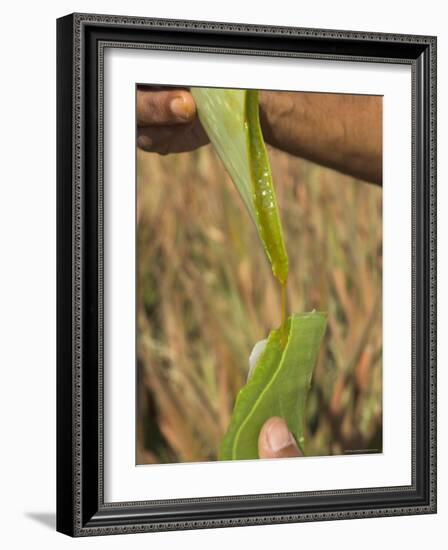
<point>276,441</point>
<point>156,139</point>
<point>164,107</point>
<point>172,139</point>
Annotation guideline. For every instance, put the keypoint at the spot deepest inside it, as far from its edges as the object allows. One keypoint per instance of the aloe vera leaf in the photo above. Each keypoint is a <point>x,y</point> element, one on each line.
<point>278,386</point>
<point>231,121</point>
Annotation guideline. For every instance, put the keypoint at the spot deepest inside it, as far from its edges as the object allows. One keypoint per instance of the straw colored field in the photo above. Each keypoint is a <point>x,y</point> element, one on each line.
<point>206,295</point>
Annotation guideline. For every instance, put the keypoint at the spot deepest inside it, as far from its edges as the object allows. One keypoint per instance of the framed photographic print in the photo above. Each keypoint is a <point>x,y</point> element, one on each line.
<point>246,274</point>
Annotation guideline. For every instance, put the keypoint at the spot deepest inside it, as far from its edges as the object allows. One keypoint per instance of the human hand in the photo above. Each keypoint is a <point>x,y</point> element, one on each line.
<point>167,121</point>
<point>276,441</point>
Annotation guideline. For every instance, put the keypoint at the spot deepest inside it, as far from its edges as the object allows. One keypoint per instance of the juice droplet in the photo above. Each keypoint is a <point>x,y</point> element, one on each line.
<point>283,293</point>
<point>284,325</point>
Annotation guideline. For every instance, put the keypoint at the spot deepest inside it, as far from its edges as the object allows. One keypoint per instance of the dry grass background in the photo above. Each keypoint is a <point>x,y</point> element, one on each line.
<point>206,295</point>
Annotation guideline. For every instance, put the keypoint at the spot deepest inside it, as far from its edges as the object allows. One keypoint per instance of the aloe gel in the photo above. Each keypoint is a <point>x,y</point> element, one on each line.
<point>282,377</point>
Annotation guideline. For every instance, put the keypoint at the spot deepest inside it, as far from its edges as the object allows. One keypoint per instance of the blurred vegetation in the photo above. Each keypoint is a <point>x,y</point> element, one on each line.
<point>206,294</point>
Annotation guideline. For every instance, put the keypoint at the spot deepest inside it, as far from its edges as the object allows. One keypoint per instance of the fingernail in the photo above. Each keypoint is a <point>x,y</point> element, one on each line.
<point>144,142</point>
<point>279,436</point>
<point>180,108</point>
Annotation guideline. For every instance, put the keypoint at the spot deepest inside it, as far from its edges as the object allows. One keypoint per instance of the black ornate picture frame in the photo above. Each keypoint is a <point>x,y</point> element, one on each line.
<point>81,509</point>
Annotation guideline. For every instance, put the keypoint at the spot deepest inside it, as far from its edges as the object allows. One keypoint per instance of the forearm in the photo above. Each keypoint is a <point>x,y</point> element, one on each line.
<point>343,132</point>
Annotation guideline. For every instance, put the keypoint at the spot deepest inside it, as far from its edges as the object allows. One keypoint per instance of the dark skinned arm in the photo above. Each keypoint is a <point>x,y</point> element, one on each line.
<point>343,132</point>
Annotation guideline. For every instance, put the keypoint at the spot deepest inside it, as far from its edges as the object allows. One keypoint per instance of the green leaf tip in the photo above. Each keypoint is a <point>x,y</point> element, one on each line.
<point>231,121</point>
<point>278,386</point>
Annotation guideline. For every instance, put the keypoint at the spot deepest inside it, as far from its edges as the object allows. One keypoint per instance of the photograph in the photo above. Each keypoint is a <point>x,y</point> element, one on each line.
<point>258,274</point>
<point>246,221</point>
<point>221,252</point>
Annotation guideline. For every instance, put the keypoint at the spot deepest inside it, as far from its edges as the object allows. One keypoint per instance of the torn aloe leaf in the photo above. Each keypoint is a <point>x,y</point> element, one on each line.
<point>278,386</point>
<point>231,120</point>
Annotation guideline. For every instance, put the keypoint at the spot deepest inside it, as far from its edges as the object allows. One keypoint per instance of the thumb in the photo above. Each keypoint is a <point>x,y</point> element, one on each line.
<point>276,441</point>
<point>164,107</point>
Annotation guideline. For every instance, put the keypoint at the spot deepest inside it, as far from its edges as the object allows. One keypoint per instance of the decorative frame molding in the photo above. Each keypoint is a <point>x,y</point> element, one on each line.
<point>81,510</point>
